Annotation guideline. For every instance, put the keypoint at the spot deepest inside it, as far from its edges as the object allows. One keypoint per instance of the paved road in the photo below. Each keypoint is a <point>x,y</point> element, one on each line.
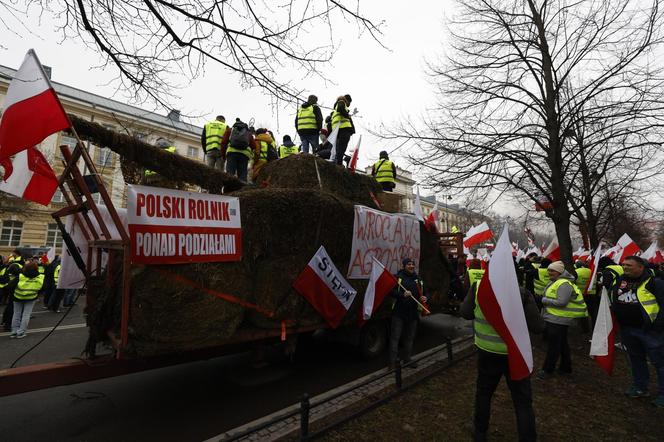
<point>189,402</point>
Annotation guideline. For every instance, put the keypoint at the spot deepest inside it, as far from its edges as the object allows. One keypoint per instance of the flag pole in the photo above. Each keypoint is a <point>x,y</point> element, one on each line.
<point>411,295</point>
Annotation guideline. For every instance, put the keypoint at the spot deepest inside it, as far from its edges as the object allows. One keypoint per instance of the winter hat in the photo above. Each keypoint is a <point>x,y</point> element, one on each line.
<point>383,154</point>
<point>286,138</point>
<point>348,98</point>
<point>407,261</point>
<point>557,266</point>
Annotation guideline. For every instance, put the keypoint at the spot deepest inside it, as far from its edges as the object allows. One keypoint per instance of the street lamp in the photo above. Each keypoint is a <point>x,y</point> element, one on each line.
<point>447,213</point>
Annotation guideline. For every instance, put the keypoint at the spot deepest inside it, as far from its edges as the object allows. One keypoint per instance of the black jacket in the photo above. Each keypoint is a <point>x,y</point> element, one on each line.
<point>654,286</point>
<point>405,307</point>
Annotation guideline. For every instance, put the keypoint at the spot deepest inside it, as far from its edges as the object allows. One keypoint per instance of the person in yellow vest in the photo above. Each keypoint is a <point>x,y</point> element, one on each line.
<point>264,153</point>
<point>583,275</point>
<point>541,279</point>
<point>473,275</point>
<point>637,301</point>
<point>308,123</point>
<point>492,365</point>
<point>4,264</point>
<point>385,172</point>
<point>12,271</point>
<point>341,117</point>
<point>26,288</point>
<point>287,148</point>
<point>562,303</point>
<point>240,149</point>
<point>214,132</point>
<point>151,175</point>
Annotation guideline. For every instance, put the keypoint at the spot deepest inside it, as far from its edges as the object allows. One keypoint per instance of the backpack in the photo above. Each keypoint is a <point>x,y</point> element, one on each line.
<point>272,153</point>
<point>240,136</point>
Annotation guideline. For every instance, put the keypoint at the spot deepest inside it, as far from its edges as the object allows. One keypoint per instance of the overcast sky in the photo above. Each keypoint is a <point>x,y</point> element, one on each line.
<point>386,84</point>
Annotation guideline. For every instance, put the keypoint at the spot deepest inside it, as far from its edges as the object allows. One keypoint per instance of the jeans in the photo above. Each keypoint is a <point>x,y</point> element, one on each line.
<point>490,368</point>
<point>307,140</point>
<point>56,299</point>
<point>236,164</point>
<point>343,138</point>
<point>21,319</point>
<point>213,159</point>
<point>557,348</point>
<point>640,344</point>
<point>401,328</point>
<point>69,297</point>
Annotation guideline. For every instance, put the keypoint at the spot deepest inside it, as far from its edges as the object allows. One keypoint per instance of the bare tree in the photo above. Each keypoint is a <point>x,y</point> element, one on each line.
<point>519,79</point>
<point>149,40</point>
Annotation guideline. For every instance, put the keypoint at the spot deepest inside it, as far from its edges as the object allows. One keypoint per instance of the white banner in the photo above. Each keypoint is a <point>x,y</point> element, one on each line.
<point>169,226</point>
<point>389,237</point>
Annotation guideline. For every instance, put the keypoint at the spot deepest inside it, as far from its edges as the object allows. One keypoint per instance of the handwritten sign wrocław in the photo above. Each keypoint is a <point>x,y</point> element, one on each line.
<point>171,226</point>
<point>390,237</point>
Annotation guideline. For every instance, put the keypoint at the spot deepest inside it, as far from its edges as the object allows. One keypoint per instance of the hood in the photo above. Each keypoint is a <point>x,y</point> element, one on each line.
<point>305,105</point>
<point>404,274</point>
<point>264,137</point>
<point>288,143</point>
<point>567,275</point>
<point>31,273</point>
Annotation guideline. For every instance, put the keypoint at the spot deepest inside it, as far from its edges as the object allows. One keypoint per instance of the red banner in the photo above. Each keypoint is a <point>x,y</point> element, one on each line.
<point>171,226</point>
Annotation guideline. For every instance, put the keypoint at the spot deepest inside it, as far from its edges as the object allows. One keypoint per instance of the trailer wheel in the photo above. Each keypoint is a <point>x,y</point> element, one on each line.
<point>373,339</point>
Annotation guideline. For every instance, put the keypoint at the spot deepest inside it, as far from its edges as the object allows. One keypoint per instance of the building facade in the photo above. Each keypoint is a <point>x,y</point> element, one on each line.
<point>28,224</point>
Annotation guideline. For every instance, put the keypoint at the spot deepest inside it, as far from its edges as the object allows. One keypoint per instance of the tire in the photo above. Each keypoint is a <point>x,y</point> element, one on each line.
<point>373,339</point>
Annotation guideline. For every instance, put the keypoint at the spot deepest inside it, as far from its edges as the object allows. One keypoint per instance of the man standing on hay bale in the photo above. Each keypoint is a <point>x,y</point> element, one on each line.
<point>341,117</point>
<point>308,122</point>
<point>152,177</point>
<point>385,172</point>
<point>213,134</point>
<point>405,312</point>
<point>241,146</point>
<point>265,151</point>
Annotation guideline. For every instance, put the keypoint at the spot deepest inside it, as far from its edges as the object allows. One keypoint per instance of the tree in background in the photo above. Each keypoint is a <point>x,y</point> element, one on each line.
<point>521,77</point>
<point>150,40</point>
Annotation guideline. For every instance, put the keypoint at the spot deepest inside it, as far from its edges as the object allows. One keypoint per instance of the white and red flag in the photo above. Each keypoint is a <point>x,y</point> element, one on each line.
<point>380,284</point>
<point>325,288</point>
<point>431,223</point>
<point>500,300</point>
<point>612,253</point>
<point>552,252</point>
<point>602,347</point>
<point>651,252</point>
<point>332,139</point>
<point>581,254</point>
<point>353,159</point>
<point>417,208</point>
<point>627,247</point>
<point>477,235</point>
<point>29,176</point>
<point>32,110</point>
<point>594,268</point>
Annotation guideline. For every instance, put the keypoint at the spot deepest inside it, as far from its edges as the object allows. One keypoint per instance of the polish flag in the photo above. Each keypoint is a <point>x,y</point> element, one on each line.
<point>552,252</point>
<point>602,347</point>
<point>353,159</point>
<point>581,254</point>
<point>650,252</point>
<point>417,210</point>
<point>431,222</point>
<point>659,258</point>
<point>325,288</point>
<point>594,267</point>
<point>536,250</point>
<point>499,299</point>
<point>32,109</point>
<point>332,139</point>
<point>380,284</point>
<point>627,248</point>
<point>29,176</point>
<point>612,253</point>
<point>477,234</point>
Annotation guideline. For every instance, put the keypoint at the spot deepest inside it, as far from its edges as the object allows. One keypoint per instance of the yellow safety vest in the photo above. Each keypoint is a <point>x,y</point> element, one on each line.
<point>583,277</point>
<point>56,274</point>
<point>647,300</point>
<point>306,118</point>
<point>2,273</point>
<point>214,133</point>
<point>338,119</point>
<point>454,229</point>
<point>541,281</point>
<point>27,289</point>
<point>383,171</point>
<point>170,149</point>
<point>263,152</point>
<point>475,276</point>
<point>285,151</point>
<point>486,337</point>
<point>575,308</point>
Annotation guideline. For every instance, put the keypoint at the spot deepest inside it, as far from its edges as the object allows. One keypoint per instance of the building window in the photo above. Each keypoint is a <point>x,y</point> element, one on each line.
<point>11,233</point>
<point>53,236</point>
<point>104,156</point>
<point>192,152</point>
<point>58,197</point>
<point>69,141</point>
